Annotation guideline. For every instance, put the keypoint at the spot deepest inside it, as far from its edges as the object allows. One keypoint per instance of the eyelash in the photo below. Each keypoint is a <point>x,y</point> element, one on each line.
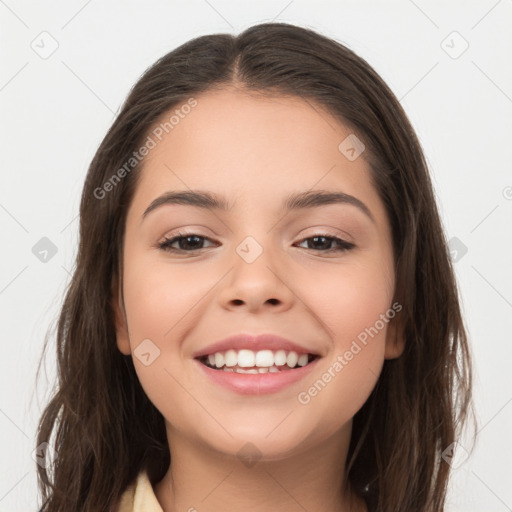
<point>343,245</point>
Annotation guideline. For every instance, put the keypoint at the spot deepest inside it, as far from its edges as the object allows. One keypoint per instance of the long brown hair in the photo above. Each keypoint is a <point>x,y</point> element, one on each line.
<point>107,430</point>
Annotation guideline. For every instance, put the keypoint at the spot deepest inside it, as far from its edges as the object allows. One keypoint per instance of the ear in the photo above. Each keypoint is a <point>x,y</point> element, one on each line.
<point>395,339</point>
<point>121,325</point>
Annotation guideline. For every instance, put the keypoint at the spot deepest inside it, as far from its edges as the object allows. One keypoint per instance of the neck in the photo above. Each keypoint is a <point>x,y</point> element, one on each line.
<point>200,479</point>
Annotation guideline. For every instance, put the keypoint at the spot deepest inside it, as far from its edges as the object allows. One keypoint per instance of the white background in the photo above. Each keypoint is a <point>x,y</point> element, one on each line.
<point>55,111</point>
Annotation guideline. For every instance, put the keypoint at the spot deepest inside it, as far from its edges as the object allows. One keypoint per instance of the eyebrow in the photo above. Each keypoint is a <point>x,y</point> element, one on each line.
<point>295,201</point>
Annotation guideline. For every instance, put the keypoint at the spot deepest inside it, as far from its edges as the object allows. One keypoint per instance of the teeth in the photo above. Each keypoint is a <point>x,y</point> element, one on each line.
<point>303,360</point>
<point>245,358</point>
<point>261,361</point>
<point>291,360</point>
<point>264,358</point>
<point>219,360</point>
<point>280,358</point>
<point>272,369</point>
<point>230,358</point>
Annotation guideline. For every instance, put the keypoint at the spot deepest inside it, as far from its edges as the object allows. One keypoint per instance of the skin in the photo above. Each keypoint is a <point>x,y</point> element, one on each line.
<point>255,151</point>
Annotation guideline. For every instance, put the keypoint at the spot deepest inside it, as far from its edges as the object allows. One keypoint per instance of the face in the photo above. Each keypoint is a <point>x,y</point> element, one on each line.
<point>320,276</point>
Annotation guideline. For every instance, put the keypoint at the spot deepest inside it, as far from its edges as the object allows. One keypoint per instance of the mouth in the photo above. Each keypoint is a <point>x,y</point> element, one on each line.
<point>255,362</point>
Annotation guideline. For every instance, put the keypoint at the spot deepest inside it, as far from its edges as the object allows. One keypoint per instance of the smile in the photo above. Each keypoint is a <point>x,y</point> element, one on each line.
<point>252,362</point>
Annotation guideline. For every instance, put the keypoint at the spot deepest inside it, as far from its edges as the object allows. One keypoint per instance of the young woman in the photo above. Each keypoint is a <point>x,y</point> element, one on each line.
<point>263,313</point>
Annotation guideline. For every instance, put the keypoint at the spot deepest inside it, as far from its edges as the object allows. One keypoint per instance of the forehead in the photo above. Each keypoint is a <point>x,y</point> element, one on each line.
<point>252,147</point>
<point>240,126</point>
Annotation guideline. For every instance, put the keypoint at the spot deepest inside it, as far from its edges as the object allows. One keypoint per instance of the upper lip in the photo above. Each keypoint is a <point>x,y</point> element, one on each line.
<point>253,342</point>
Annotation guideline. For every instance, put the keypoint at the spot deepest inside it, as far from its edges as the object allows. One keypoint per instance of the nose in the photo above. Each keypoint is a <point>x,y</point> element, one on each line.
<point>257,284</point>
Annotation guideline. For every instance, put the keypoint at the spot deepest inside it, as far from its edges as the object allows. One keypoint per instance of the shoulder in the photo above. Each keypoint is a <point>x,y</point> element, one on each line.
<point>139,496</point>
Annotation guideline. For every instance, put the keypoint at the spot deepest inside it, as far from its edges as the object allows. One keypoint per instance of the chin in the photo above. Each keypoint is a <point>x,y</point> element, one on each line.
<point>259,440</point>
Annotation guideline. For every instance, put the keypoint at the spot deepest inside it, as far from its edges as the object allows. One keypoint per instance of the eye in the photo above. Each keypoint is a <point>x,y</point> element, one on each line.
<point>187,242</point>
<point>323,243</point>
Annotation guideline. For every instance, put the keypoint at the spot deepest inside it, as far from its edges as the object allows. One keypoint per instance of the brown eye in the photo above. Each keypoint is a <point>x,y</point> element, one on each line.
<point>185,242</point>
<point>323,243</point>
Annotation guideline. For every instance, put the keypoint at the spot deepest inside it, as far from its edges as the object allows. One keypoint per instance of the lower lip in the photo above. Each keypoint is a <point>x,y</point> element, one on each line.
<point>257,383</point>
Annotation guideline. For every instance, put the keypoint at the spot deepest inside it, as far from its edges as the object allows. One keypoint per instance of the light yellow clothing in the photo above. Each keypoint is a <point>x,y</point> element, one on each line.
<point>139,496</point>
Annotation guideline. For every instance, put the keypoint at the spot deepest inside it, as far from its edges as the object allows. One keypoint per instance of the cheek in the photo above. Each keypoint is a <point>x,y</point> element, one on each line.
<point>155,302</point>
<point>162,304</point>
<point>352,305</point>
<point>348,299</point>
<point>158,297</point>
